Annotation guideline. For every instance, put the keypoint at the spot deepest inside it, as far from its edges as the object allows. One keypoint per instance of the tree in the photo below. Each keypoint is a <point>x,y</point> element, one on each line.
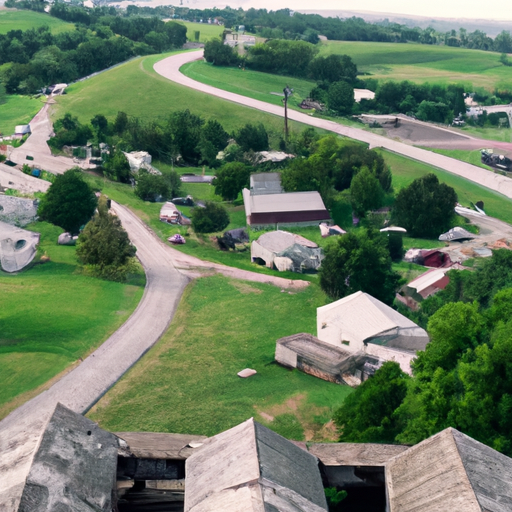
<point>121,123</point>
<point>69,203</point>
<point>230,179</point>
<point>104,245</point>
<point>219,54</point>
<point>367,415</point>
<point>365,192</point>
<point>252,137</point>
<point>340,97</point>
<point>154,187</point>
<point>117,168</point>
<point>211,219</point>
<point>333,68</point>
<point>426,207</point>
<point>359,262</point>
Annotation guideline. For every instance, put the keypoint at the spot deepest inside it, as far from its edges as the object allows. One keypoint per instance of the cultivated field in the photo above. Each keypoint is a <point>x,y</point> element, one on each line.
<point>24,20</point>
<point>206,31</point>
<point>51,315</point>
<point>188,383</point>
<point>423,63</point>
<point>147,95</point>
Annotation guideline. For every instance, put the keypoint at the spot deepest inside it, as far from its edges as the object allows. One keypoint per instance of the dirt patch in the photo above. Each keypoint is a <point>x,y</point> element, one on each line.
<point>244,287</point>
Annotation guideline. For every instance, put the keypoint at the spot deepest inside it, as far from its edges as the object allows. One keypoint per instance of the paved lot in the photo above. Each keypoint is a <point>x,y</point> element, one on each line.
<point>13,178</point>
<point>169,68</point>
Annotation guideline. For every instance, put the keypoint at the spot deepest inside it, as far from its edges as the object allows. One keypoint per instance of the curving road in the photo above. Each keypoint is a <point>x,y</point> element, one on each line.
<point>20,431</point>
<point>170,69</point>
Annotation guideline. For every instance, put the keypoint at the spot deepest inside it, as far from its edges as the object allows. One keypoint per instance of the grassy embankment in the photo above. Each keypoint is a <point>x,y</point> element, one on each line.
<point>149,96</point>
<point>25,20</point>
<point>206,31</point>
<point>188,382</point>
<point>51,315</point>
<point>17,110</point>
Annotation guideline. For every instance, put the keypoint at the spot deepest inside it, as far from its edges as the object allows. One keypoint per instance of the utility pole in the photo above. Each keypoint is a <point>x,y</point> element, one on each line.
<point>287,93</point>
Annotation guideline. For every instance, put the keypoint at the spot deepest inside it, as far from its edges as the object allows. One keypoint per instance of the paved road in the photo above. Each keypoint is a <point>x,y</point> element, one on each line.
<point>169,68</point>
<point>83,386</point>
<point>37,148</point>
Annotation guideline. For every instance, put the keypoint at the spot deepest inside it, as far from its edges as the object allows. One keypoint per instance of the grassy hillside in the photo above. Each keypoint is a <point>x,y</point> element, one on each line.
<point>17,110</point>
<point>50,316</point>
<point>23,20</point>
<point>188,382</point>
<point>147,95</point>
<point>206,31</point>
<point>422,63</point>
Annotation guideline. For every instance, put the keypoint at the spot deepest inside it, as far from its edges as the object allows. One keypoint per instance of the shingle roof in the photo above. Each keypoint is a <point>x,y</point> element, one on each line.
<point>287,202</point>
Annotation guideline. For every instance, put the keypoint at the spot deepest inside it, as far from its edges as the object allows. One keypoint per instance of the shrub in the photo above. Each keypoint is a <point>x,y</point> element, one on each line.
<point>211,219</point>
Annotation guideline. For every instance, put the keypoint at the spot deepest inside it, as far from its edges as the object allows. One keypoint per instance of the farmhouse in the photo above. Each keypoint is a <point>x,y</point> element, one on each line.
<point>79,466</point>
<point>286,251</point>
<point>362,323</point>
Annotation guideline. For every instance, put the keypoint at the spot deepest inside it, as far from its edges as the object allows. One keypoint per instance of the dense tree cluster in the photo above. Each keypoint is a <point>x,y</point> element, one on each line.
<point>426,207</point>
<point>464,377</point>
<point>69,202</point>
<point>155,187</point>
<point>35,58</point>
<point>359,262</point>
<point>230,179</point>
<point>210,219</point>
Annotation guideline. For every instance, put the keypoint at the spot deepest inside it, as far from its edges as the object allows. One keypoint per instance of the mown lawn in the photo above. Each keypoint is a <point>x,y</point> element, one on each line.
<point>25,19</point>
<point>150,97</point>
<point>206,31</point>
<point>422,63</point>
<point>188,382</point>
<point>51,315</point>
<point>17,110</point>
<point>471,157</point>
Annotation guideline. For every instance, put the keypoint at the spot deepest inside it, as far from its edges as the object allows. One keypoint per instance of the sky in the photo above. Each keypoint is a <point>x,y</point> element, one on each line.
<point>488,9</point>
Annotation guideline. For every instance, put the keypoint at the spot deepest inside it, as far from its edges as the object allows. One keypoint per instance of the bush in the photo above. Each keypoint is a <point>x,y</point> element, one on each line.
<point>211,219</point>
<point>220,54</point>
<point>252,137</point>
<point>155,187</point>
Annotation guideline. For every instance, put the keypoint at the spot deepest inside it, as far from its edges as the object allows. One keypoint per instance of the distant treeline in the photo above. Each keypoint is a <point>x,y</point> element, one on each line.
<point>34,58</point>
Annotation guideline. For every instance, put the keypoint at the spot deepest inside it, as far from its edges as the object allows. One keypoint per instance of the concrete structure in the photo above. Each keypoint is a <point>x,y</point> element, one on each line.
<point>427,284</point>
<point>449,471</point>
<point>18,247</point>
<point>363,94</point>
<point>323,360</point>
<point>140,160</point>
<point>251,468</point>
<point>22,129</point>
<point>266,183</point>
<point>18,211</point>
<point>286,251</point>
<point>361,323</point>
<point>292,208</point>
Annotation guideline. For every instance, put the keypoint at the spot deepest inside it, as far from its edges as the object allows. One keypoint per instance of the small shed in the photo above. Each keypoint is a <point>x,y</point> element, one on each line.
<point>286,251</point>
<point>170,214</point>
<point>427,284</point>
<point>22,129</point>
<point>251,468</point>
<point>310,355</point>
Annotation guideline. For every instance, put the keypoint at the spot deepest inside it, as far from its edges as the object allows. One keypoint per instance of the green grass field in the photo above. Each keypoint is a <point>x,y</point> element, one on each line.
<point>206,31</point>
<point>423,63</point>
<point>24,20</point>
<point>149,96</point>
<point>187,383</point>
<point>471,157</point>
<point>51,315</point>
<point>17,110</point>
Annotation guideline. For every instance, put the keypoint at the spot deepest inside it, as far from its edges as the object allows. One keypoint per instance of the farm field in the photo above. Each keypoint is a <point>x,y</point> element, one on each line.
<point>51,315</point>
<point>423,63</point>
<point>151,97</point>
<point>17,110</point>
<point>188,382</point>
<point>206,31</point>
<point>24,20</point>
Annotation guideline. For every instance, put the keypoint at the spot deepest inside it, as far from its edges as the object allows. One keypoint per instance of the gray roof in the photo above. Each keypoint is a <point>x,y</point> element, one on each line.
<point>287,202</point>
<point>74,467</point>
<point>450,471</point>
<point>255,469</point>
<point>355,454</point>
<point>278,241</point>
